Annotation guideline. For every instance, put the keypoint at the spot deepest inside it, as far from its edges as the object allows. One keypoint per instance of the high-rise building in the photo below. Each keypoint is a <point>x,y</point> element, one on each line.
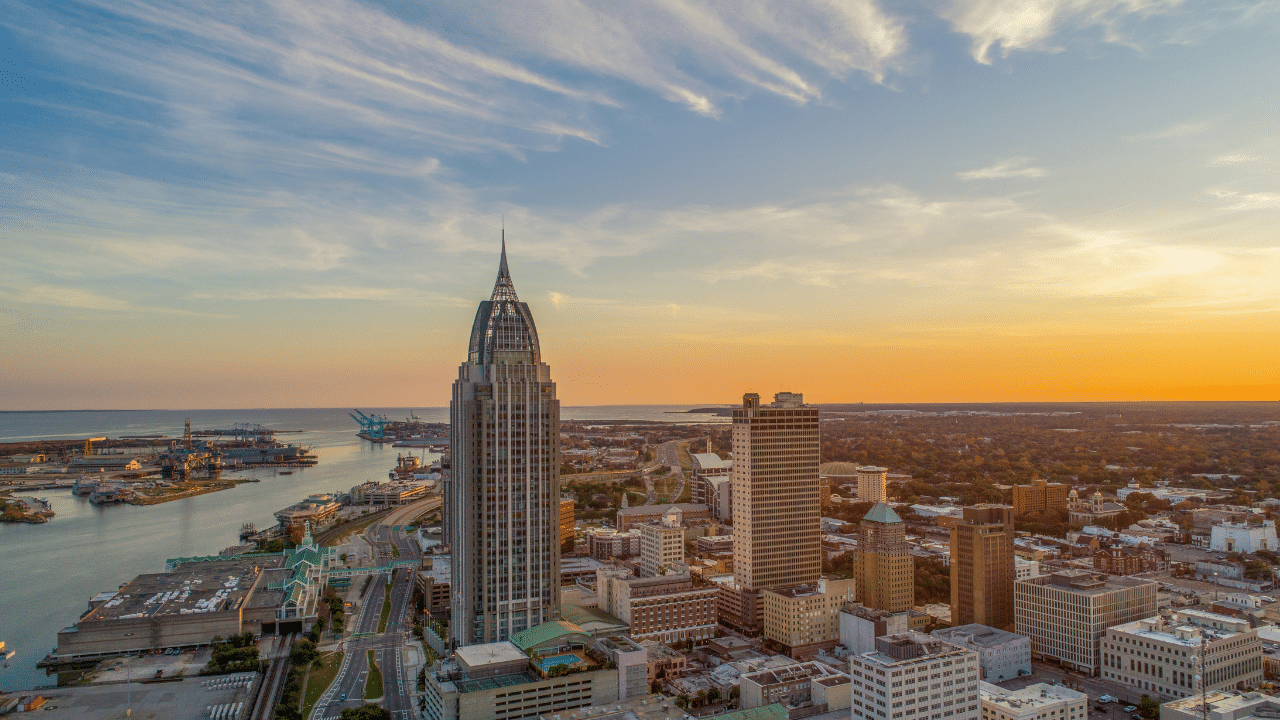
<point>568,532</point>
<point>915,677</point>
<point>504,493</point>
<point>806,618</point>
<point>882,565</point>
<point>777,541</point>
<point>982,567</point>
<point>873,484</point>
<point>1040,496</point>
<point>1067,613</point>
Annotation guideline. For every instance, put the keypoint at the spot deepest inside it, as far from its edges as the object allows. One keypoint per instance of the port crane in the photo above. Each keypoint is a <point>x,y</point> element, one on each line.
<point>371,426</point>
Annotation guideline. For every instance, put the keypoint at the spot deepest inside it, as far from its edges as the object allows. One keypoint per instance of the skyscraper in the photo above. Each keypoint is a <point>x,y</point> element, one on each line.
<point>883,565</point>
<point>504,490</point>
<point>776,511</point>
<point>982,571</point>
<point>872,485</point>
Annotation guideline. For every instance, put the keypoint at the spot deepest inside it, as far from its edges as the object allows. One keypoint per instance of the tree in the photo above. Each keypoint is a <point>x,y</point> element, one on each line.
<point>713,695</point>
<point>682,702</point>
<point>1148,708</point>
<point>303,653</point>
<point>368,712</point>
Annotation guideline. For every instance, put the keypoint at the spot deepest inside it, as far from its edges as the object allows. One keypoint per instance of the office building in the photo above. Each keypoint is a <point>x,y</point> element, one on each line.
<point>776,511</point>
<point>882,564</point>
<point>982,567</point>
<point>605,543</point>
<point>1162,656</point>
<point>1040,496</point>
<point>1041,701</point>
<point>667,608</point>
<point>1004,655</point>
<point>504,494</point>
<point>873,484</point>
<point>1067,613</point>
<point>1023,568</point>
<point>568,535</point>
<point>806,618</point>
<point>661,545</point>
<point>861,625</point>
<point>915,677</point>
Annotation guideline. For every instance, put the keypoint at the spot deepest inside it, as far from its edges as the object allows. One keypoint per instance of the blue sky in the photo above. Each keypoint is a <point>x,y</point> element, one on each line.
<point>298,204</point>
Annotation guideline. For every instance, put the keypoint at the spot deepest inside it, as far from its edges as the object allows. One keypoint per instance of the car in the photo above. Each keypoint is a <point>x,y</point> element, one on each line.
<point>1130,708</point>
<point>342,697</point>
<point>1106,699</point>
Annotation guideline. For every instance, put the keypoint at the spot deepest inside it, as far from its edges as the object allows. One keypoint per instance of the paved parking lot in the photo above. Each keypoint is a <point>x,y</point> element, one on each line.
<point>1091,686</point>
<point>183,700</point>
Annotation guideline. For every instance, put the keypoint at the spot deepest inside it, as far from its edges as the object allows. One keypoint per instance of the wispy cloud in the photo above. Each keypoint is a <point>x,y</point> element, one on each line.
<point>1018,167</point>
<point>1246,201</point>
<point>1010,25</point>
<point>1180,130</point>
<point>1233,160</point>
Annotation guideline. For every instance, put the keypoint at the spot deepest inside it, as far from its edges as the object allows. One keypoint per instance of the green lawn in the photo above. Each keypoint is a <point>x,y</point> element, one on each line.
<point>320,680</point>
<point>386,610</point>
<point>373,685</point>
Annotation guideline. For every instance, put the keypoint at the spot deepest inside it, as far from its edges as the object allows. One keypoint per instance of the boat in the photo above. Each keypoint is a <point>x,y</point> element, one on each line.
<point>286,472</point>
<point>8,654</point>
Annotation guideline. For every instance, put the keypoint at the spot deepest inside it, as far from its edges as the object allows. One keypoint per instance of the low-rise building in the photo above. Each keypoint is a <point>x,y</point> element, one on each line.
<point>860,626</point>
<point>806,618</point>
<point>509,680</point>
<point>1067,613</point>
<point>667,608</point>
<point>1004,655</point>
<point>688,512</point>
<point>1244,537</point>
<point>1163,656</point>
<point>811,686</point>
<point>663,661</point>
<point>387,493</point>
<point>1034,702</point>
<point>1222,706</point>
<point>1231,574</point>
<point>105,463</point>
<point>915,677</point>
<point>1024,568</point>
<point>316,510</point>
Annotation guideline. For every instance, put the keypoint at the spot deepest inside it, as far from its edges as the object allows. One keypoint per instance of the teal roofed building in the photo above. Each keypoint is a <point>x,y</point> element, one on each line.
<point>882,513</point>
<point>549,636</point>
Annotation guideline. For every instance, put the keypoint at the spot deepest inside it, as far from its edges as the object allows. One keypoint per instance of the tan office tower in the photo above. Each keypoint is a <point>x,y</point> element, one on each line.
<point>982,570</point>
<point>776,512</point>
<point>873,484</point>
<point>883,565</point>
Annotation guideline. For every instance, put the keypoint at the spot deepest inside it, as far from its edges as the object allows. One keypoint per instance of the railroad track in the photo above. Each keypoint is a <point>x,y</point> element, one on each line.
<point>264,703</point>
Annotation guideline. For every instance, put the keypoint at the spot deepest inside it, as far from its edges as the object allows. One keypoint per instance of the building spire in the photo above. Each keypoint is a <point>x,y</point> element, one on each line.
<point>503,288</point>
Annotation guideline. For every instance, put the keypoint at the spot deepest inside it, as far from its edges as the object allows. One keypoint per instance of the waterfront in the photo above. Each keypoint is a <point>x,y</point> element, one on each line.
<point>50,571</point>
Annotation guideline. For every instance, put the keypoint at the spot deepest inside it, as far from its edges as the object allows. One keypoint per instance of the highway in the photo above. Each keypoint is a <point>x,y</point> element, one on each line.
<point>387,646</point>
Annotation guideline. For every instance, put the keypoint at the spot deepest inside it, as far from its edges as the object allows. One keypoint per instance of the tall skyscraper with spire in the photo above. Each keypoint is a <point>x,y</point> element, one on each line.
<point>504,492</point>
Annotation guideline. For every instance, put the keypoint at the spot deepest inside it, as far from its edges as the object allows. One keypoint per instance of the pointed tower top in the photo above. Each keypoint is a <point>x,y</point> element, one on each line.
<point>503,288</point>
<point>502,264</point>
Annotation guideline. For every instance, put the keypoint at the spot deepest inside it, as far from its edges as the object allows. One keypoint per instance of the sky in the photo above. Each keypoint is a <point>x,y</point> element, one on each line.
<point>299,204</point>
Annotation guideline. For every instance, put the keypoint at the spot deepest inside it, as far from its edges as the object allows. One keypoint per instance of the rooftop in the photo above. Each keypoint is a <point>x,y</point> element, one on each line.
<point>882,513</point>
<point>661,509</point>
<point>979,635</point>
<point>214,586</point>
<point>1084,582</point>
<point>1033,696</point>
<point>490,654</point>
<point>546,632</point>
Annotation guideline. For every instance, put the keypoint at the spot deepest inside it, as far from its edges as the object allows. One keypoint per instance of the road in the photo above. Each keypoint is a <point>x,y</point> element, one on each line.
<point>387,646</point>
<point>669,455</point>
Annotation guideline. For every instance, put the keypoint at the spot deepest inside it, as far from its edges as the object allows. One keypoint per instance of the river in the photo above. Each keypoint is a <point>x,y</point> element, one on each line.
<point>48,572</point>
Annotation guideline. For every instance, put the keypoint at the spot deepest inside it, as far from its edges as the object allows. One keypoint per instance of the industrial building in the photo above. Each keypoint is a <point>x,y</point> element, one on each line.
<point>388,493</point>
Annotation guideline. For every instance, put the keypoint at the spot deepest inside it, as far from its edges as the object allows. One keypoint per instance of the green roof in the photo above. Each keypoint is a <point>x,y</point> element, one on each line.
<point>882,513</point>
<point>546,632</point>
<point>764,712</point>
<point>585,617</point>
